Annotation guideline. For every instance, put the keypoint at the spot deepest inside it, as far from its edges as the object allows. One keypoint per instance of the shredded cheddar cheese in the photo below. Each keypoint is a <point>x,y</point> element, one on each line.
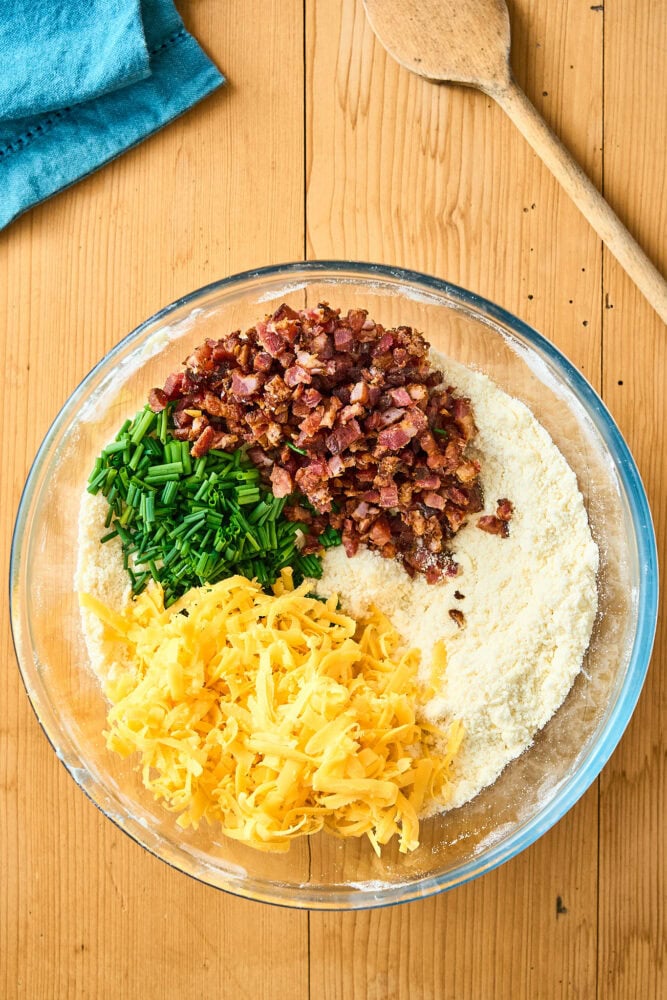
<point>275,716</point>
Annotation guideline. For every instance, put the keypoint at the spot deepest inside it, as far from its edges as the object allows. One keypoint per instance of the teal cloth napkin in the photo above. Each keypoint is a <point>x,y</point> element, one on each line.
<point>84,80</point>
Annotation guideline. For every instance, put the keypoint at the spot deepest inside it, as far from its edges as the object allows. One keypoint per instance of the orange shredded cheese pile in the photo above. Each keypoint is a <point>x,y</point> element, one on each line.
<point>275,716</point>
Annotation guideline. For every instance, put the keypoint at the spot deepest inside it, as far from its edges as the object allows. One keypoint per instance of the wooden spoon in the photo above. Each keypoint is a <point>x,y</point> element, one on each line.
<point>468,42</point>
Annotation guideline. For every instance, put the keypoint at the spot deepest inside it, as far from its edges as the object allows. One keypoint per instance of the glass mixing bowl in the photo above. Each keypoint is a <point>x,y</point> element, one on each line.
<point>536,789</point>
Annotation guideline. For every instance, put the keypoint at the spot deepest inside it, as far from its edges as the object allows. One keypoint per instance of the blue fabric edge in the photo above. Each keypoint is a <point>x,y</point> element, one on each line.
<point>74,142</point>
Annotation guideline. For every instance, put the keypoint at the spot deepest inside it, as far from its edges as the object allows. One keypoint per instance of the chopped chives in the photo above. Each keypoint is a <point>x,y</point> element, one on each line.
<point>167,468</point>
<point>169,493</point>
<point>146,421</point>
<point>149,511</point>
<point>185,457</point>
<point>112,448</point>
<point>183,521</point>
<point>255,544</point>
<point>162,425</point>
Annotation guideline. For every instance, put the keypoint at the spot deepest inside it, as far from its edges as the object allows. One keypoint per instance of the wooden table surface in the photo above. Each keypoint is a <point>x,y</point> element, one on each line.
<point>321,146</point>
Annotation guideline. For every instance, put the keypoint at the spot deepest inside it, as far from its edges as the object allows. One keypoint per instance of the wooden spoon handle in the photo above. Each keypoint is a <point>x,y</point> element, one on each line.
<point>585,195</point>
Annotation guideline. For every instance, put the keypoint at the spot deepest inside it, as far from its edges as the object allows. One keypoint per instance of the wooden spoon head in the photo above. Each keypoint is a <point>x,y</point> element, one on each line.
<point>463,41</point>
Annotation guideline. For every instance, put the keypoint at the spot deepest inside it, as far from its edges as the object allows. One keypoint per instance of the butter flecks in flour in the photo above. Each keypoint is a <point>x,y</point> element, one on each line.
<point>529,601</point>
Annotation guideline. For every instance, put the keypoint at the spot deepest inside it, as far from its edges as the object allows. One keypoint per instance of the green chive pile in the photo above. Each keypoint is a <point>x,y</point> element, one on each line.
<point>185,522</point>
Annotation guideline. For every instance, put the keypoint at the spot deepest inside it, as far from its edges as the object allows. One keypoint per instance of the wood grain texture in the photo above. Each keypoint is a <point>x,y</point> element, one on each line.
<point>633,802</point>
<point>391,168</point>
<point>468,42</point>
<point>86,912</point>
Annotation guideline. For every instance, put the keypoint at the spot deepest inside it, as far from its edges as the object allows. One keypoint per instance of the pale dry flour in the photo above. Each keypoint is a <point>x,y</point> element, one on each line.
<point>528,601</point>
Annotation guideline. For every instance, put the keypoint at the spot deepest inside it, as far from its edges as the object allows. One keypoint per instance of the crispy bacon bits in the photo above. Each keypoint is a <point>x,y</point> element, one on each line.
<point>350,415</point>
<point>457,616</point>
<point>498,523</point>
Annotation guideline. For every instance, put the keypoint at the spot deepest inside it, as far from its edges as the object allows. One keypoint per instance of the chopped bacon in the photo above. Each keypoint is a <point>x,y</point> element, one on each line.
<point>183,418</point>
<point>359,406</point>
<point>245,385</point>
<point>199,424</point>
<point>336,465</point>
<point>401,397</point>
<point>157,400</point>
<point>284,312</point>
<point>276,391</point>
<point>204,442</point>
<point>373,422</point>
<point>210,404</point>
<point>343,436</point>
<point>348,412</point>
<point>384,344</point>
<point>311,362</point>
<point>312,480</point>
<point>330,411</point>
<point>467,472</point>
<point>457,496</point>
<point>260,458</point>
<point>281,481</point>
<point>435,457</point>
<point>356,319</point>
<point>274,433</point>
<point>389,496</point>
<point>418,393</point>
<point>262,361</point>
<point>463,418</point>
<point>390,416</point>
<point>493,525</point>
<point>434,500</point>
<point>201,359</point>
<point>455,517</point>
<point>380,533</point>
<point>297,374</point>
<point>225,442</point>
<point>296,512</point>
<point>176,385</point>
<point>311,398</point>
<point>393,438</point>
<point>504,510</point>
<point>311,424</point>
<point>343,338</point>
<point>322,346</point>
<point>414,421</point>
<point>351,539</point>
<point>359,393</point>
<point>270,340</point>
<point>425,480</point>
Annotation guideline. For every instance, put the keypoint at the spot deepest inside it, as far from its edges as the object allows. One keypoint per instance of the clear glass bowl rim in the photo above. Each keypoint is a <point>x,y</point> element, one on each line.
<point>647,605</point>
